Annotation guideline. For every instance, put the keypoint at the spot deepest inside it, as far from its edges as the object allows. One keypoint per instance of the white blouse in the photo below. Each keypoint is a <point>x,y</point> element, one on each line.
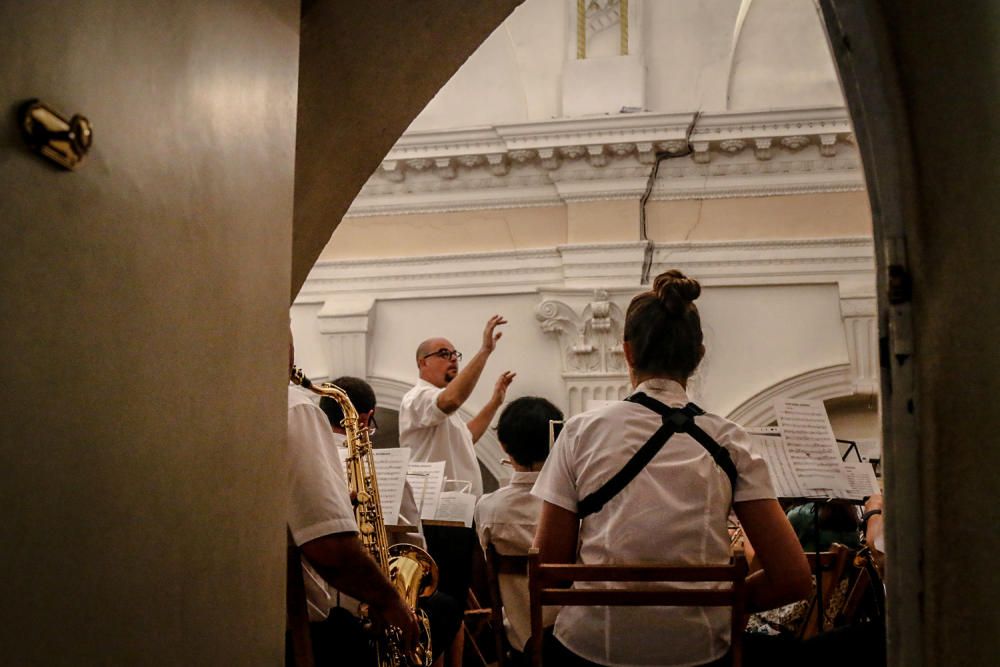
<point>674,511</point>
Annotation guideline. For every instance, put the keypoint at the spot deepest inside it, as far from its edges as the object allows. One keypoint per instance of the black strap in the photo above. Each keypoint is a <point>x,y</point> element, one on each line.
<point>674,420</point>
<point>718,452</point>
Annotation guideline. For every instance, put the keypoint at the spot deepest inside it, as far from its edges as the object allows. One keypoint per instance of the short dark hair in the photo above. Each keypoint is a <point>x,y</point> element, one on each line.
<point>360,392</point>
<point>523,428</point>
<point>663,327</point>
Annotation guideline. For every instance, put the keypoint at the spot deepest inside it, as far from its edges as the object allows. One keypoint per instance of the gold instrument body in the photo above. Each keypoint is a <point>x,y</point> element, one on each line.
<point>410,569</point>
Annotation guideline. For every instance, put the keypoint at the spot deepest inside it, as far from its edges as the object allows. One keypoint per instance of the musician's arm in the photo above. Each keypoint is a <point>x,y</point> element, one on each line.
<point>557,534</point>
<point>785,575</point>
<point>344,563</point>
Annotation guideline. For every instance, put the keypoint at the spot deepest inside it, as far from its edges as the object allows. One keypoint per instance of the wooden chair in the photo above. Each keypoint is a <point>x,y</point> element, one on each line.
<point>829,568</point>
<point>497,565</point>
<point>298,643</point>
<point>544,582</point>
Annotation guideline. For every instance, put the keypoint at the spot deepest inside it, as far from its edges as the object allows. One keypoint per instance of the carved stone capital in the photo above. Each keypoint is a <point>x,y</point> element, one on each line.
<point>795,142</point>
<point>732,146</point>
<point>596,156</point>
<point>762,148</point>
<point>701,154</point>
<point>591,338</point>
<point>445,167</point>
<point>828,145</point>
<point>393,170</point>
<point>498,164</point>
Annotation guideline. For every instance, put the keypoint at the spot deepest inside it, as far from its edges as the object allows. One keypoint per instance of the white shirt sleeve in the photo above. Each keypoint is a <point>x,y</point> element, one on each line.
<point>420,408</point>
<point>319,503</point>
<point>556,482</point>
<point>483,519</point>
<point>753,482</point>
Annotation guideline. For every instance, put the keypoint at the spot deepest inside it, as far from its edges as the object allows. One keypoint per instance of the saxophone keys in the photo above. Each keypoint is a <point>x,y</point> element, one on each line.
<point>367,528</point>
<point>363,497</point>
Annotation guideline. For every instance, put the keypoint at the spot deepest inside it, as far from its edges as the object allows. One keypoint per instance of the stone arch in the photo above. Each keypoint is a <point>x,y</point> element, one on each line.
<point>819,384</point>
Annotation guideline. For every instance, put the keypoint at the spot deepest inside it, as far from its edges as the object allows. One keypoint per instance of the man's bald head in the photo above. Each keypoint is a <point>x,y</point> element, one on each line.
<point>432,345</point>
<point>438,369</point>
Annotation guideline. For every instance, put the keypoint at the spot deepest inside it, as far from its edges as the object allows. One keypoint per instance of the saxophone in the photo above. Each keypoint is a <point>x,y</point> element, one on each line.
<point>410,569</point>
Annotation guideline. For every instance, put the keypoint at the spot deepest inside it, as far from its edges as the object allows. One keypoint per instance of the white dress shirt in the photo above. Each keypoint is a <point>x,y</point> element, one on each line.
<point>433,435</point>
<point>508,518</point>
<point>319,503</point>
<point>674,511</point>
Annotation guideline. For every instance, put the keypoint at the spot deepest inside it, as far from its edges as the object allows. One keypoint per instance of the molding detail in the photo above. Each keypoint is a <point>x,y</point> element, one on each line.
<point>820,384</point>
<point>591,340</point>
<point>861,329</point>
<point>535,164</point>
<point>849,262</point>
<point>344,324</point>
<point>593,361</point>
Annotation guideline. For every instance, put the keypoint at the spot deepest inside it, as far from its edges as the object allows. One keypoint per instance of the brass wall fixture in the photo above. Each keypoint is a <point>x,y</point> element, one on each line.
<point>48,133</point>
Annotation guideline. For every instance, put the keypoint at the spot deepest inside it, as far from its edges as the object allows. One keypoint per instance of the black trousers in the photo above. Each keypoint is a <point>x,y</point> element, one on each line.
<point>340,639</point>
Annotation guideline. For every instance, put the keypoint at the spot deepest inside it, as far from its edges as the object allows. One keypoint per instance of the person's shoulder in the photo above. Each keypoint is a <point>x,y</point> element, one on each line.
<point>421,387</point>
<point>720,427</point>
<point>298,396</point>
<point>612,411</point>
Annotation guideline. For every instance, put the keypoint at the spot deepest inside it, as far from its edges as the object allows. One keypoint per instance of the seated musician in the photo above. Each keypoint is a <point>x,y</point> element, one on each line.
<point>507,517</point>
<point>322,524</point>
<point>444,612</point>
<point>674,510</point>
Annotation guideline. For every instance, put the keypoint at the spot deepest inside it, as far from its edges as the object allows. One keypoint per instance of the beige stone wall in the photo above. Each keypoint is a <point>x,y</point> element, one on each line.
<point>827,215</point>
<point>442,233</point>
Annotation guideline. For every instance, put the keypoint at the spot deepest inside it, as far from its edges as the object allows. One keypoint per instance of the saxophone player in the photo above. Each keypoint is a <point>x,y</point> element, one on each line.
<point>322,524</point>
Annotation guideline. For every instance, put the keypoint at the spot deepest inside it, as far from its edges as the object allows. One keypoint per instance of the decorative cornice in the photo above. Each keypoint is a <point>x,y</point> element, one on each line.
<point>846,261</point>
<point>610,157</point>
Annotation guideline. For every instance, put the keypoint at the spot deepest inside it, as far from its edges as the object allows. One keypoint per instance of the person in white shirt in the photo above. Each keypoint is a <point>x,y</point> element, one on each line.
<point>674,510</point>
<point>444,612</point>
<point>322,524</point>
<point>507,517</point>
<point>429,423</point>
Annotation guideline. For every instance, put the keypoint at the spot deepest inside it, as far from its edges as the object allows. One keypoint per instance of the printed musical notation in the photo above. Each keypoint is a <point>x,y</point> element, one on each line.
<point>803,459</point>
<point>391,466</point>
<point>427,480</point>
<point>810,445</point>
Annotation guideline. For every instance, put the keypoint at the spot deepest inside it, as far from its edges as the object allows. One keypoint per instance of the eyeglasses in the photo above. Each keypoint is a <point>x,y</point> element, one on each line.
<point>445,353</point>
<point>372,426</point>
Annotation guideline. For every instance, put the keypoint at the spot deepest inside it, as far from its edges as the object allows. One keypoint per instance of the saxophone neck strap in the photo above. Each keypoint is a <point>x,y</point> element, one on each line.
<point>675,420</point>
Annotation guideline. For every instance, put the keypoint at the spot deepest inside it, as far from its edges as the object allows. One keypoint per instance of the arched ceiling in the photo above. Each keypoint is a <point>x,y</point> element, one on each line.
<point>365,71</point>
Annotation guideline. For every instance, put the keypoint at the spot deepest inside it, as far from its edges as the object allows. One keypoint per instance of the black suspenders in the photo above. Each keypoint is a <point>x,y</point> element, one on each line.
<point>675,420</point>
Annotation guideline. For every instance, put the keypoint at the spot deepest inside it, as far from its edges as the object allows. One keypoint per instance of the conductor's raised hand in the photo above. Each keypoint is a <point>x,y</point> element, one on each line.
<point>490,334</point>
<point>500,388</point>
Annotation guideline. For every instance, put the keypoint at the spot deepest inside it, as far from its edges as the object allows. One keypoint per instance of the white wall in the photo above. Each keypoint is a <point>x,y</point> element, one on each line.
<point>697,55</point>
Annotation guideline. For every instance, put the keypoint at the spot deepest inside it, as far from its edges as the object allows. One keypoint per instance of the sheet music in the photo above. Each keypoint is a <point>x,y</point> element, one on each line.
<point>766,442</point>
<point>390,468</point>
<point>456,506</point>
<point>810,445</point>
<point>390,465</point>
<point>862,480</point>
<point>426,479</point>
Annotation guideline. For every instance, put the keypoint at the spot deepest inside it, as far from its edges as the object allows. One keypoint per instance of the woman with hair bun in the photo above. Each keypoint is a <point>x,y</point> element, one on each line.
<point>696,467</point>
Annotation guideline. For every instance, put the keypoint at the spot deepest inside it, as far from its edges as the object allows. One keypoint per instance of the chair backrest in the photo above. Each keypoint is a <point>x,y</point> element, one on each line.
<point>298,644</point>
<point>546,587</point>
<point>829,568</point>
<point>496,565</point>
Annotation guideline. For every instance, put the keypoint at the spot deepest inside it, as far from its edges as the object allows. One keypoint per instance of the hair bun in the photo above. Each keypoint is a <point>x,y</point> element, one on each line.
<point>675,291</point>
